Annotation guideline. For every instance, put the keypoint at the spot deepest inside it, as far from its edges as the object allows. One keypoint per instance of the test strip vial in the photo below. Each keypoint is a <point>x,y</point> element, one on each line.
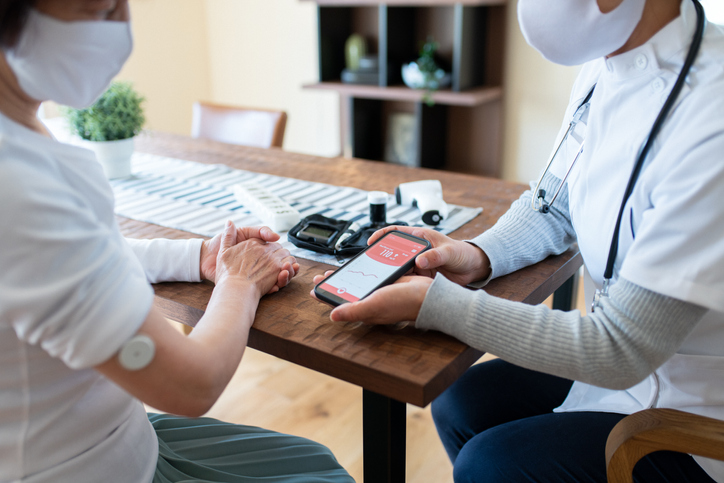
<point>378,207</point>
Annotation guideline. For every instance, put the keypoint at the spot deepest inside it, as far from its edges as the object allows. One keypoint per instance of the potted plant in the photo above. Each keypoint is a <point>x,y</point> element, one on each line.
<point>109,126</point>
<point>425,73</point>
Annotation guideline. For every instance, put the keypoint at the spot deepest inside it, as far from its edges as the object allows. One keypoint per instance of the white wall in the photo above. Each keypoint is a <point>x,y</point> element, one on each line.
<point>261,52</point>
<point>169,64</point>
<point>536,96</point>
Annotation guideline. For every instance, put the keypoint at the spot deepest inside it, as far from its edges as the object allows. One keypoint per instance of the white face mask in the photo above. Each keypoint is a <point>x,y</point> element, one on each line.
<point>573,32</point>
<point>71,63</point>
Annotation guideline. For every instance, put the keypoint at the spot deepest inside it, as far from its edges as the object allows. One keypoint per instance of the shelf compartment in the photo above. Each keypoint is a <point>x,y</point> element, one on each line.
<point>405,29</point>
<point>469,38</point>
<point>468,98</point>
<point>336,24</point>
<point>368,139</point>
<point>386,120</point>
<point>454,138</point>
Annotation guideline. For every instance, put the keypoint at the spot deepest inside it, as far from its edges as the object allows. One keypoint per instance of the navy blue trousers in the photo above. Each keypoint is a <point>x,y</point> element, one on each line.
<point>497,425</point>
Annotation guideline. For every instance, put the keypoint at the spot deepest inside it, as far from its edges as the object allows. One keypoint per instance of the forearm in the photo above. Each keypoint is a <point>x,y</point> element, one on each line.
<point>522,236</point>
<point>617,346</point>
<point>221,335</point>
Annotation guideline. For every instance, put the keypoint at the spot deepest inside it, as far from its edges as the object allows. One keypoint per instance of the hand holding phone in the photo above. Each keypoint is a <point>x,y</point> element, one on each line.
<point>380,264</point>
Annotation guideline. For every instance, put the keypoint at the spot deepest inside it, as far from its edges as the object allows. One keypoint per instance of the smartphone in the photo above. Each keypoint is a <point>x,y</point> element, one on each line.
<point>378,265</point>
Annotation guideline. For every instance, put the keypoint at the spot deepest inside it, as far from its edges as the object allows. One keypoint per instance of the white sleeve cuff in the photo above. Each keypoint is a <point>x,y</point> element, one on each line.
<point>166,260</point>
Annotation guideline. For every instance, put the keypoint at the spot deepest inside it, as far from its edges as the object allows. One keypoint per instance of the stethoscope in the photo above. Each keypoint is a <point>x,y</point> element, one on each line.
<point>538,199</point>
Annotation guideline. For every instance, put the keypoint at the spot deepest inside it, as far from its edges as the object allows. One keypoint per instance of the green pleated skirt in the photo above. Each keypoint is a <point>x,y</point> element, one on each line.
<point>207,450</point>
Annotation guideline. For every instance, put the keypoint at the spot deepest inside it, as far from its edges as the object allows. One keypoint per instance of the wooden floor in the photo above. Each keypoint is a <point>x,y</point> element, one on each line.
<point>284,397</point>
<point>281,396</point>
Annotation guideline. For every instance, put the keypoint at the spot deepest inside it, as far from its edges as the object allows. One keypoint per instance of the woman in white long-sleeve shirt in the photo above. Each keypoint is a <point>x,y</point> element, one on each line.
<point>657,339</point>
<point>81,343</point>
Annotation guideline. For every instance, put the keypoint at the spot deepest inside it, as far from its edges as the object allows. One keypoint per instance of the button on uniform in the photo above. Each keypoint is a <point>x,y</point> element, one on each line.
<point>641,61</point>
<point>658,85</point>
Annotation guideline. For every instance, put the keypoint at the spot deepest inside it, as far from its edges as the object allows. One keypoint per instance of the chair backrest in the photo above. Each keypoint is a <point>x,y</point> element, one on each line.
<point>237,125</point>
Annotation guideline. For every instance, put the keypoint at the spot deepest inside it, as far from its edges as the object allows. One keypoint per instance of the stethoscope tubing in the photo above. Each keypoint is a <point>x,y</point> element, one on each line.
<point>658,124</point>
<point>542,205</point>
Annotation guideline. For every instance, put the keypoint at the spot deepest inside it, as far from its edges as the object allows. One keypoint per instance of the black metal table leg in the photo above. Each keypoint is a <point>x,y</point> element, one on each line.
<point>563,298</point>
<point>383,428</point>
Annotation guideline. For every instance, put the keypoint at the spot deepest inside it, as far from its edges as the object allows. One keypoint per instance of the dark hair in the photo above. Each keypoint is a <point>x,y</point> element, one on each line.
<point>13,14</point>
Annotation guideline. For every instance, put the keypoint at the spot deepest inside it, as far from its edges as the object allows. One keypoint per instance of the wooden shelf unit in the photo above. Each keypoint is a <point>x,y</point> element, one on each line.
<point>461,131</point>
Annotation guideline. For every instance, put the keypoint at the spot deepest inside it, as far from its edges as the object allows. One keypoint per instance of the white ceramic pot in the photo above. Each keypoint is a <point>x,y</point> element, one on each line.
<point>114,156</point>
<point>414,78</point>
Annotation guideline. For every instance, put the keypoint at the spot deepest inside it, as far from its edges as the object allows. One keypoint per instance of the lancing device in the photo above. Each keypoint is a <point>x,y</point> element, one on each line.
<point>348,233</point>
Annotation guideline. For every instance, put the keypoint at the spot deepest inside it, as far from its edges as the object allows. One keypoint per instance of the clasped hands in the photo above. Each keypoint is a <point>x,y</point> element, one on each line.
<point>458,261</point>
<point>250,254</point>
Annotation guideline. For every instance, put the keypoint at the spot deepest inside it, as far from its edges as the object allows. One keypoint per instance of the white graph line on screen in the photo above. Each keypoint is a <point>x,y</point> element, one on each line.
<point>364,274</point>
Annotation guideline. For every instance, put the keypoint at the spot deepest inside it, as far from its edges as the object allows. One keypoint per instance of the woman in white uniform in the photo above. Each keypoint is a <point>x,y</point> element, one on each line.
<point>81,343</point>
<point>656,336</point>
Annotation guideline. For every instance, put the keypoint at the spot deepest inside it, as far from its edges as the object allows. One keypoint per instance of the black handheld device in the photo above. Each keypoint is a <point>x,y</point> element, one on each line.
<point>317,233</point>
<point>378,265</point>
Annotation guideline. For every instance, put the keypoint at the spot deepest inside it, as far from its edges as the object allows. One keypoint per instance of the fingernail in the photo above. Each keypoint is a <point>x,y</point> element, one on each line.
<point>228,223</point>
<point>422,262</point>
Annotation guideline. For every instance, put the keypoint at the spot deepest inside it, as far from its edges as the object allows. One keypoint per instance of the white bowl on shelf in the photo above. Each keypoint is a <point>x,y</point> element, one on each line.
<point>414,78</point>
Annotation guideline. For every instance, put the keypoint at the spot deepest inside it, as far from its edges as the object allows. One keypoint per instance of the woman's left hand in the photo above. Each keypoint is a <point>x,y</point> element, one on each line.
<point>210,250</point>
<point>399,302</point>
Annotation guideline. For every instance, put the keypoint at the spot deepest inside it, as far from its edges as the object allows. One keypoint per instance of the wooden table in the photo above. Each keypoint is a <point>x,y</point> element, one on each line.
<point>393,367</point>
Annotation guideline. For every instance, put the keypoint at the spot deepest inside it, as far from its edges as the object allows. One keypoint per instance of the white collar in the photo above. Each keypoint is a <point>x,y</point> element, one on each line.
<point>668,46</point>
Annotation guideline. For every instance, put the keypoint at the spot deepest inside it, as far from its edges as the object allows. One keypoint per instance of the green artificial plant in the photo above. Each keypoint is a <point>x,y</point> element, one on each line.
<point>431,71</point>
<point>117,114</point>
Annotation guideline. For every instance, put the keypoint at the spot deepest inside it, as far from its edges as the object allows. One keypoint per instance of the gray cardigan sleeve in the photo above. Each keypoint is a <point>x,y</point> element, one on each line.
<point>522,236</point>
<point>635,331</point>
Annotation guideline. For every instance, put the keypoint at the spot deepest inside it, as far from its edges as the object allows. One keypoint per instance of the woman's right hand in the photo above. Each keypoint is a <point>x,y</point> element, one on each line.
<point>461,262</point>
<point>246,258</point>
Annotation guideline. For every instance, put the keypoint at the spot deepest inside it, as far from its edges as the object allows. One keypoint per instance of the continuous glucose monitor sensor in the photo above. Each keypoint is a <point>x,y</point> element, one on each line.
<point>137,353</point>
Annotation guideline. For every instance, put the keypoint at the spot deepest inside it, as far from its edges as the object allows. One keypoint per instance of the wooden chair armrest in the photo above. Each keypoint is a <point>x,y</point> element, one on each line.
<point>651,430</point>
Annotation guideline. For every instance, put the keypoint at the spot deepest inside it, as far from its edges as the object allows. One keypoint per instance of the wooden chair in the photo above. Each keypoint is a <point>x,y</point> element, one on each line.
<point>651,430</point>
<point>237,125</point>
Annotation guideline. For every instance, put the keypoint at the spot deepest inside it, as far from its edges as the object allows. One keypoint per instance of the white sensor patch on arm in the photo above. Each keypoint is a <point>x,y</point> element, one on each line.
<point>137,353</point>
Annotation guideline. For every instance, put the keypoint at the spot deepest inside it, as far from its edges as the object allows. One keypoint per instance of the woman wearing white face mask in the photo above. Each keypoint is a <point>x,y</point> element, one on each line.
<point>656,337</point>
<point>81,344</point>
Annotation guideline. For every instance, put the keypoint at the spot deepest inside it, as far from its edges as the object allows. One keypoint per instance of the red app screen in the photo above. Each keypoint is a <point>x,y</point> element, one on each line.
<point>360,277</point>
